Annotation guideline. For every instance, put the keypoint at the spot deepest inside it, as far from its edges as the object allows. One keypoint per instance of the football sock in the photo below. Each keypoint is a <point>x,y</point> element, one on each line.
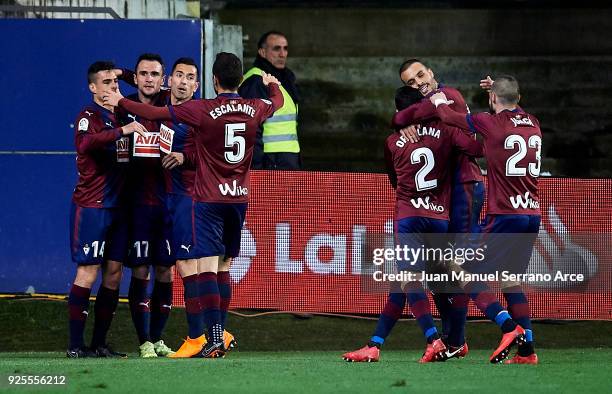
<point>419,305</point>
<point>210,301</point>
<point>140,308</point>
<point>78,305</point>
<point>161,305</point>
<point>104,310</point>
<point>443,306</point>
<point>192,306</point>
<point>519,310</point>
<point>225,292</point>
<point>396,301</point>
<point>457,317</point>
<point>490,306</point>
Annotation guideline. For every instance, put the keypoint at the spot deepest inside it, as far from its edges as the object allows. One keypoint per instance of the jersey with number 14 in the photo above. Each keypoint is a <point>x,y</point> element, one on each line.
<point>224,132</point>
<point>512,142</point>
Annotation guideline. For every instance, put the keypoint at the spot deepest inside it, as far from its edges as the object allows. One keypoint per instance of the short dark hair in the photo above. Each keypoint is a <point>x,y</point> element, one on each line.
<point>94,68</point>
<point>264,37</point>
<point>152,57</point>
<point>188,61</point>
<point>406,96</point>
<point>506,88</point>
<point>409,63</point>
<point>228,70</point>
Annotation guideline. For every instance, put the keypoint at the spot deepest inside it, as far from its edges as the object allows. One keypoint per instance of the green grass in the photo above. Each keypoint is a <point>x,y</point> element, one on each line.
<point>561,371</point>
<point>39,325</point>
<point>280,353</point>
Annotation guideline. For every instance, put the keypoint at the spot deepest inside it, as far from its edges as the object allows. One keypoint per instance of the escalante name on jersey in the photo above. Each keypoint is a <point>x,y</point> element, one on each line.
<point>229,107</point>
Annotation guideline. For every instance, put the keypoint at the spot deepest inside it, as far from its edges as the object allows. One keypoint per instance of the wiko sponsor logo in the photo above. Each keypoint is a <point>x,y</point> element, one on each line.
<point>425,204</point>
<point>235,190</point>
<point>524,201</point>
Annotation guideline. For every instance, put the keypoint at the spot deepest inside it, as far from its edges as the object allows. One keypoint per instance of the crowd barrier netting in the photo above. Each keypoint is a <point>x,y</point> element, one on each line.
<point>301,245</point>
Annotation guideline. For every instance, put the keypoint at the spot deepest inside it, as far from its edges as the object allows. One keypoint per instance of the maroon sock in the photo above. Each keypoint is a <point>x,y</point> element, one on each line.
<point>78,305</point>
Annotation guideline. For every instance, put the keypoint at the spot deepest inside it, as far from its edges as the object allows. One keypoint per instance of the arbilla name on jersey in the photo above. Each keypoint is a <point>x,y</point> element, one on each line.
<point>166,136</point>
<point>233,190</point>
<point>521,120</point>
<point>425,204</point>
<point>146,146</point>
<point>524,201</point>
<point>123,150</point>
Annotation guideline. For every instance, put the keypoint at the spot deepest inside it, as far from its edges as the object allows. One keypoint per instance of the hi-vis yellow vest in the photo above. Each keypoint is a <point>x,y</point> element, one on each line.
<point>280,130</point>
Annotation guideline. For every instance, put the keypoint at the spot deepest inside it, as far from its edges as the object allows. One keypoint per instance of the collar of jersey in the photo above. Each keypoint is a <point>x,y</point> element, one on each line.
<point>101,108</point>
<point>229,95</point>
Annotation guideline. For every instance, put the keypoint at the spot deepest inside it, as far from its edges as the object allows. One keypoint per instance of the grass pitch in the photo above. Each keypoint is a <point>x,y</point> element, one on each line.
<point>280,354</point>
<point>561,371</point>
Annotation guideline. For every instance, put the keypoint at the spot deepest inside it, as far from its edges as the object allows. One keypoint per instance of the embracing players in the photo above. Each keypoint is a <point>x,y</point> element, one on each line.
<point>98,229</point>
<point>513,144</point>
<point>422,178</point>
<point>224,131</point>
<point>150,224</point>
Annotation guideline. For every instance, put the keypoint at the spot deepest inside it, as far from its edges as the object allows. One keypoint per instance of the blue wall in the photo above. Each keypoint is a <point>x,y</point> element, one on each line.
<point>43,76</point>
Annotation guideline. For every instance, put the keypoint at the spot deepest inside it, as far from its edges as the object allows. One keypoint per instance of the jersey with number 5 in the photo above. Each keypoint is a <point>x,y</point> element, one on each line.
<point>513,145</point>
<point>224,130</point>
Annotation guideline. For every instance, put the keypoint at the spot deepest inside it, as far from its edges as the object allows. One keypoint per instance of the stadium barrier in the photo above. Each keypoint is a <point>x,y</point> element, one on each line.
<point>301,245</point>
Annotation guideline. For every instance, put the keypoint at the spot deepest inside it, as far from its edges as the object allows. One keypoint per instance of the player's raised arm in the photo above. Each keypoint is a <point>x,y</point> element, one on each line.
<point>90,140</point>
<point>276,96</point>
<point>486,83</point>
<point>416,113</point>
<point>147,111</point>
<point>126,75</point>
<point>446,114</point>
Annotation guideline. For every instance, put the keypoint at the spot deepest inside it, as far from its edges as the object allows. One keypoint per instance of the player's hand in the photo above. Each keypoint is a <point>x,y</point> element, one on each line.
<point>410,133</point>
<point>439,98</point>
<point>134,127</point>
<point>269,78</point>
<point>172,160</point>
<point>112,98</point>
<point>118,72</point>
<point>486,83</point>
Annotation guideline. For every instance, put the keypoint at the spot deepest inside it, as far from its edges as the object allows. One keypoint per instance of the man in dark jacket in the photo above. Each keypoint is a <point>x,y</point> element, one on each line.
<point>277,146</point>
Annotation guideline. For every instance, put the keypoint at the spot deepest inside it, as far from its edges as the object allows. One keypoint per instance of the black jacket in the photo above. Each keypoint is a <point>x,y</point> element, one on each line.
<point>253,87</point>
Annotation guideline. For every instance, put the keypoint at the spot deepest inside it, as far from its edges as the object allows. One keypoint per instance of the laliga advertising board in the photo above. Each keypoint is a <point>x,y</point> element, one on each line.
<point>302,249</point>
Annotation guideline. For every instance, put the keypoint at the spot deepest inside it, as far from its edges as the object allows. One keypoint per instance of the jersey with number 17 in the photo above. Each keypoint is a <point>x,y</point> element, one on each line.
<point>224,130</point>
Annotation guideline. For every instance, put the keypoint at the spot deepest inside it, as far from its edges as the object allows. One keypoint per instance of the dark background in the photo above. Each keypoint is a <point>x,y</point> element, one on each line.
<point>346,55</point>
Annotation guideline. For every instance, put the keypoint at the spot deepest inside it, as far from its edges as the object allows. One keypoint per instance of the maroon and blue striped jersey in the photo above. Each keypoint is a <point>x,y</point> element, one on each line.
<point>146,184</point>
<point>467,169</point>
<point>175,136</point>
<point>224,135</point>
<point>512,144</point>
<point>420,172</point>
<point>103,156</point>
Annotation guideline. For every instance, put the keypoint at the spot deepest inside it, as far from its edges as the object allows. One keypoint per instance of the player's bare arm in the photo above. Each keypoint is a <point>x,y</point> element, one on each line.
<point>144,110</point>
<point>134,127</point>
<point>410,133</point>
<point>173,160</point>
<point>413,114</point>
<point>112,97</point>
<point>486,83</point>
<point>446,114</point>
<point>269,78</point>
